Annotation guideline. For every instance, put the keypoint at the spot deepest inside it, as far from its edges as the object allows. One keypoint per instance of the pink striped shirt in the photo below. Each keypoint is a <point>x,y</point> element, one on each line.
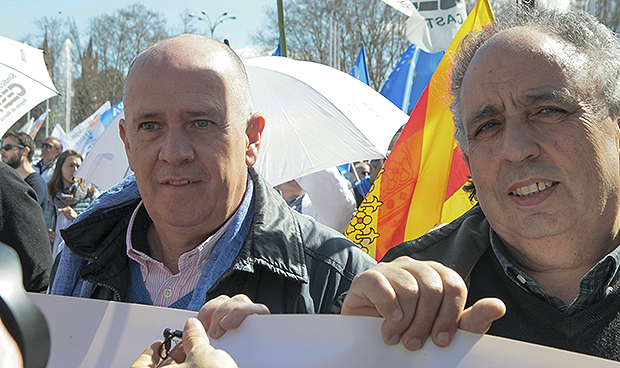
<point>164,287</point>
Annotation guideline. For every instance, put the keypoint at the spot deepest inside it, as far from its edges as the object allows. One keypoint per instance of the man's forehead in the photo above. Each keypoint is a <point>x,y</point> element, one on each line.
<point>185,53</point>
<point>531,41</point>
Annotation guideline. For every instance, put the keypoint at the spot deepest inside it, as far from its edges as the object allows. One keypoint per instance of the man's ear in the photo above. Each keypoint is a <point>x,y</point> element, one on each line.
<point>122,131</point>
<point>25,151</point>
<point>256,124</point>
<point>617,126</point>
<point>466,159</point>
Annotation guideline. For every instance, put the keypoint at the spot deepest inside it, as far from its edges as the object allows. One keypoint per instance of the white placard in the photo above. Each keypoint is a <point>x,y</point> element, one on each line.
<point>93,333</point>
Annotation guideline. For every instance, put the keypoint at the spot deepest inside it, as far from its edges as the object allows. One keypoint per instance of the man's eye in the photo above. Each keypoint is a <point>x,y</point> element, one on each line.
<point>149,125</point>
<point>551,111</point>
<point>486,127</point>
<point>203,123</point>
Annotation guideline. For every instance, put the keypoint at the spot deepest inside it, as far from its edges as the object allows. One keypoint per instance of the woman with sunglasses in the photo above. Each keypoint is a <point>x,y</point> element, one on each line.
<point>71,195</point>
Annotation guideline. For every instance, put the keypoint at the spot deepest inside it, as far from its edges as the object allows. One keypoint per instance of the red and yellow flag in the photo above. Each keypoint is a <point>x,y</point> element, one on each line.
<point>421,182</point>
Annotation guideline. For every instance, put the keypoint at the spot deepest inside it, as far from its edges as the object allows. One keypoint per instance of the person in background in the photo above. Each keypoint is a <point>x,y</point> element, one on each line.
<point>22,228</point>
<point>69,194</point>
<point>375,168</point>
<point>50,149</point>
<point>17,151</point>
<point>324,195</point>
<point>362,181</point>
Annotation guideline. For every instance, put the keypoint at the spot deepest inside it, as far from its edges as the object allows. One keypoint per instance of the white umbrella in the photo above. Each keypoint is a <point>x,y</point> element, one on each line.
<point>316,117</point>
<point>24,81</point>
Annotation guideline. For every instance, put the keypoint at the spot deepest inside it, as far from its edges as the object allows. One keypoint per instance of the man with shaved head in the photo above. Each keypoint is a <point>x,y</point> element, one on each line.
<point>537,112</point>
<point>197,223</point>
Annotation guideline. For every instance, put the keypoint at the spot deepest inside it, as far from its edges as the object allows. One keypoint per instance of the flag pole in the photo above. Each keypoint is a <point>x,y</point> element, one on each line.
<point>283,49</point>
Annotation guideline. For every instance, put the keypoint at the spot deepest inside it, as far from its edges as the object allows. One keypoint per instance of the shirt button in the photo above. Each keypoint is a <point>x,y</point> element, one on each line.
<point>167,293</point>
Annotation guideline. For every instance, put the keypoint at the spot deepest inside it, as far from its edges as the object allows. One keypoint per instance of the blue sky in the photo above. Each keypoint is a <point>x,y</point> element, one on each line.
<point>16,15</point>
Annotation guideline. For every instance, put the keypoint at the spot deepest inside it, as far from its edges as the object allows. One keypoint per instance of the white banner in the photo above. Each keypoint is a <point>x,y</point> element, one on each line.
<point>93,333</point>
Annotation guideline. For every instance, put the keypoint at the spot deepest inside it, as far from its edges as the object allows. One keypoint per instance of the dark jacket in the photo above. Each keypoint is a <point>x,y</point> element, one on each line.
<point>22,227</point>
<point>288,262</point>
<point>464,246</point>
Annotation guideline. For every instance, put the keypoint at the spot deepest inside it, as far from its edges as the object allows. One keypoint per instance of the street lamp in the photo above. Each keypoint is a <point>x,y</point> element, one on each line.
<point>213,25</point>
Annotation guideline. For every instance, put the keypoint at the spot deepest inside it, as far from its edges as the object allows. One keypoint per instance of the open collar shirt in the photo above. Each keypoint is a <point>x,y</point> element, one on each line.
<point>163,286</point>
<point>594,285</point>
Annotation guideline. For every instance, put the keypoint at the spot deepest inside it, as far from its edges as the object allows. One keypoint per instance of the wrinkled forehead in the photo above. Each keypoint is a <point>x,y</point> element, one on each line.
<point>519,60</point>
<point>528,42</point>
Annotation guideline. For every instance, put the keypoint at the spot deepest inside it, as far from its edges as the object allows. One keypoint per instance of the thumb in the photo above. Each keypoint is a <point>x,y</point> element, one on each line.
<point>194,335</point>
<point>478,317</point>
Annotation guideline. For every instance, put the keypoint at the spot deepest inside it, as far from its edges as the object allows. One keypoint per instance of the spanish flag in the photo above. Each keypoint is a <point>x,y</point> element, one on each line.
<point>421,182</point>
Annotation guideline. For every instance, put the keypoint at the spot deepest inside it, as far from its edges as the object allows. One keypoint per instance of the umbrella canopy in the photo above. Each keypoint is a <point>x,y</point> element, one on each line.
<point>316,117</point>
<point>24,81</point>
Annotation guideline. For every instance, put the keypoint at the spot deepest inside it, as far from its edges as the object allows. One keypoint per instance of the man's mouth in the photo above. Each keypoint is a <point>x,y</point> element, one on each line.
<point>179,182</point>
<point>533,188</point>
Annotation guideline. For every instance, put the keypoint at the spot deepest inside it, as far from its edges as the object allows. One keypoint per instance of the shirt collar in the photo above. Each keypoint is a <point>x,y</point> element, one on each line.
<point>136,239</point>
<point>595,284</point>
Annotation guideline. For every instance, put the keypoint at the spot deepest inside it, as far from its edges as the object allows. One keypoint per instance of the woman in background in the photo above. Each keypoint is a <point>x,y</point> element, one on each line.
<point>69,194</point>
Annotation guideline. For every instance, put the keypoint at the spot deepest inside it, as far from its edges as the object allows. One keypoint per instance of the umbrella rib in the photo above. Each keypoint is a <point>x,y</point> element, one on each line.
<point>27,76</point>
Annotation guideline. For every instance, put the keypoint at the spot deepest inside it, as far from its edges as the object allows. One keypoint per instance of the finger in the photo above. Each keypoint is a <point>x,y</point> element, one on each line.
<point>237,315</point>
<point>229,313</point>
<point>452,304</point>
<point>205,315</point>
<point>429,298</point>
<point>176,355</point>
<point>199,350</point>
<point>149,357</point>
<point>387,290</point>
<point>194,336</point>
<point>232,313</point>
<point>479,317</point>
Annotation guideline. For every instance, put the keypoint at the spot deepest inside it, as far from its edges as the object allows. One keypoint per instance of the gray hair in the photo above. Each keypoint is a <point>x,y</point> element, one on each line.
<point>584,32</point>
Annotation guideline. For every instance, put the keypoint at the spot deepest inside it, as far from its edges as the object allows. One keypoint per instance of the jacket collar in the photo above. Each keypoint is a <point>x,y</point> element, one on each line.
<point>275,239</point>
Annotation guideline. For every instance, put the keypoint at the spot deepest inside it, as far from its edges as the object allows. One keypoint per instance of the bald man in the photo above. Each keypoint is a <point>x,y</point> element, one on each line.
<point>197,222</point>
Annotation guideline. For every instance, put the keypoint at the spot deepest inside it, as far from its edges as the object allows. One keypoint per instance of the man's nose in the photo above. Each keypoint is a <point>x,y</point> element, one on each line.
<point>176,147</point>
<point>519,141</point>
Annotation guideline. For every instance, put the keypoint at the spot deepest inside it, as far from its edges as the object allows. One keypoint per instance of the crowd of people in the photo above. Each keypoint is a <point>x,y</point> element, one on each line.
<point>536,105</point>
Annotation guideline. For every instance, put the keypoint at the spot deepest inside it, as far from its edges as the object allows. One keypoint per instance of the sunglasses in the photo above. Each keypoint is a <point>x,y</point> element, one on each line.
<point>46,145</point>
<point>9,146</point>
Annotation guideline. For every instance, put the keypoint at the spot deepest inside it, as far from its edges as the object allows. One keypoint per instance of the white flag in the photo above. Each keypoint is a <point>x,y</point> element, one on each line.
<point>106,163</point>
<point>433,24</point>
<point>88,131</point>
